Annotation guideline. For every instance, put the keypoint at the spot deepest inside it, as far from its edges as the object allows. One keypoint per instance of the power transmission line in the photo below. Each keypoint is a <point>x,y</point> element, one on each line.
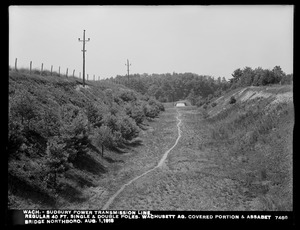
<point>83,51</point>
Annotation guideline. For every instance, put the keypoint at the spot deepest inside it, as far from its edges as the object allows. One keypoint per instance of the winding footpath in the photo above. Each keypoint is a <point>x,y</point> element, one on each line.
<point>160,163</point>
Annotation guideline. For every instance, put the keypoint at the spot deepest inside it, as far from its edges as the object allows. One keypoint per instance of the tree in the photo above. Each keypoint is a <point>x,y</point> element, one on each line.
<point>102,137</point>
<point>192,97</point>
<point>258,76</point>
<point>57,159</point>
<point>237,74</point>
<point>23,106</point>
<point>278,74</point>
<point>247,76</point>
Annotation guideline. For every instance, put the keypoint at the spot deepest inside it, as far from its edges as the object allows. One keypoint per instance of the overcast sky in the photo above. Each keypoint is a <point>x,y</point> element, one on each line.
<point>210,40</point>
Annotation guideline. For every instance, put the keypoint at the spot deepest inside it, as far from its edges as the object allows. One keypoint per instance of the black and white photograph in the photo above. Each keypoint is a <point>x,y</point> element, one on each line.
<point>144,113</point>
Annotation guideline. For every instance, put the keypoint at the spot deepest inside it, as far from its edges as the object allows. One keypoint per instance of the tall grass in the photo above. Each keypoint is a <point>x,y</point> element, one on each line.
<point>256,140</point>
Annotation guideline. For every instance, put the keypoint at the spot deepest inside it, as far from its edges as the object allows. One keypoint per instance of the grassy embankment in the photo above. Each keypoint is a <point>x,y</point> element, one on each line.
<point>56,132</point>
<point>253,138</point>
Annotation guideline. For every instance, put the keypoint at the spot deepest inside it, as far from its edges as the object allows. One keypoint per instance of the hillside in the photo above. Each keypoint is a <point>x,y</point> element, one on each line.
<point>62,136</point>
<point>107,146</point>
<point>253,136</point>
<point>235,155</point>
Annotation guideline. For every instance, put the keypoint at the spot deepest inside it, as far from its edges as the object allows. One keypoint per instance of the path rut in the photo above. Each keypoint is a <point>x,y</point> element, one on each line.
<point>160,163</point>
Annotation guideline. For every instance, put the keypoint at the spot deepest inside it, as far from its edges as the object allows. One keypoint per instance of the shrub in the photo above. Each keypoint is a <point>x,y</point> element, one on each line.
<point>23,106</point>
<point>232,100</point>
<point>128,96</point>
<point>74,130</point>
<point>135,112</point>
<point>57,158</point>
<point>103,137</point>
<point>73,120</point>
<point>128,128</point>
<point>157,104</point>
<point>123,128</point>
<point>95,114</point>
<point>150,111</point>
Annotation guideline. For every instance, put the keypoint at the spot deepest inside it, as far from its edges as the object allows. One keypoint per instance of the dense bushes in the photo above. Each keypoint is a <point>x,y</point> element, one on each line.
<point>53,125</point>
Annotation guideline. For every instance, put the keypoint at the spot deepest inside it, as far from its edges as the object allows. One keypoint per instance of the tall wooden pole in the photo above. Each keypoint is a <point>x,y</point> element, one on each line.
<point>67,73</point>
<point>83,52</point>
<point>30,67</point>
<point>73,72</point>
<point>42,68</point>
<point>51,70</point>
<point>16,62</point>
<point>128,64</point>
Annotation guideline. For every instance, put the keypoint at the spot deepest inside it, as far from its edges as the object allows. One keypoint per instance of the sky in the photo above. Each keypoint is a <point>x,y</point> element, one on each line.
<point>206,40</point>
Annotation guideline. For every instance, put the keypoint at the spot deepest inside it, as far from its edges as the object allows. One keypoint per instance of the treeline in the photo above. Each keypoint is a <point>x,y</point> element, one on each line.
<point>259,77</point>
<point>177,86</point>
<point>54,125</point>
<point>200,88</point>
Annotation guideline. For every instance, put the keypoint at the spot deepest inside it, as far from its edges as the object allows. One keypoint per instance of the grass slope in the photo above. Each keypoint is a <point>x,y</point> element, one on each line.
<point>253,138</point>
<point>54,154</point>
<point>237,158</point>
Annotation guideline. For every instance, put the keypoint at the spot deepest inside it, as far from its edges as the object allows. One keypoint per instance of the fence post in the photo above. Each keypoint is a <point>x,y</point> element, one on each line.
<point>73,72</point>
<point>94,77</point>
<point>16,62</point>
<point>51,70</point>
<point>59,71</point>
<point>80,75</point>
<point>67,73</point>
<point>30,67</point>
<point>87,78</point>
<point>42,69</point>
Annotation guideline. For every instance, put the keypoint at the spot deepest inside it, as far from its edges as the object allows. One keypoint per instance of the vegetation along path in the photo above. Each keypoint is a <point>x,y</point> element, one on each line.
<point>189,179</point>
<point>160,164</point>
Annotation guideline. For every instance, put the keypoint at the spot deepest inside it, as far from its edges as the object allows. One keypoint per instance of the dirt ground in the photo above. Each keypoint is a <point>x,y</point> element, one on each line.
<point>192,178</point>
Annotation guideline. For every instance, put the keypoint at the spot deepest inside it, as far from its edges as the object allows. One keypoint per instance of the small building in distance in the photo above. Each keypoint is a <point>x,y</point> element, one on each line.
<point>180,104</point>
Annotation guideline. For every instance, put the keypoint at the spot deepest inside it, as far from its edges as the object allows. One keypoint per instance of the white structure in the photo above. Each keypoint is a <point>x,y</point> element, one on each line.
<point>180,104</point>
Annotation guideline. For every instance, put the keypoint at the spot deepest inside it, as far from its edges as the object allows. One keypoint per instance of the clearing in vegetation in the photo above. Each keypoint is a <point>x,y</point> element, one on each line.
<point>104,146</point>
<point>237,158</point>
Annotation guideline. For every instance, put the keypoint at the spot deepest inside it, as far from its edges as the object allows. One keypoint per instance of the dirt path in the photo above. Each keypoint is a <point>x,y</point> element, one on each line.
<point>160,164</point>
<point>192,177</point>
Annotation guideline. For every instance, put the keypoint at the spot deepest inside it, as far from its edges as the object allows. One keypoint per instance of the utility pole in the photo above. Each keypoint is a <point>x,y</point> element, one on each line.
<point>83,51</point>
<point>128,64</point>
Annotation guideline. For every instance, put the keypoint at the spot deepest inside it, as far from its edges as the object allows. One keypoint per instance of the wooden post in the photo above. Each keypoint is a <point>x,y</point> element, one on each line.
<point>42,69</point>
<point>94,77</point>
<point>51,70</point>
<point>59,71</point>
<point>67,73</point>
<point>79,74</point>
<point>73,72</point>
<point>87,77</point>
<point>16,62</point>
<point>30,67</point>
<point>98,78</point>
